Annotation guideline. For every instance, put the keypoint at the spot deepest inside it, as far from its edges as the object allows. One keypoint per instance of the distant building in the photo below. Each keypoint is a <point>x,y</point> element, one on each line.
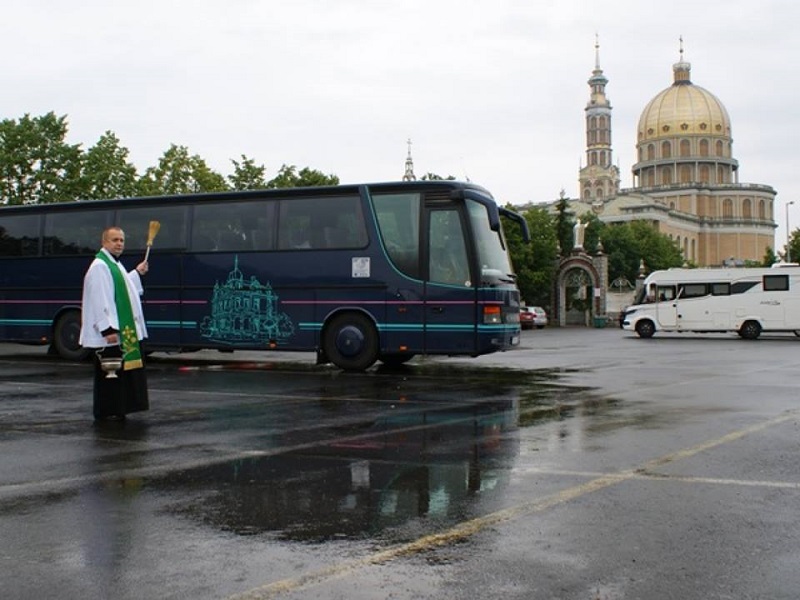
<point>685,179</point>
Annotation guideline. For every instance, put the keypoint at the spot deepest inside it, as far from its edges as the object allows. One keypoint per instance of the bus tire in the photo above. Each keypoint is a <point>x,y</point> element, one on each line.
<point>750,330</point>
<point>351,342</point>
<point>645,328</point>
<point>395,359</point>
<point>66,334</point>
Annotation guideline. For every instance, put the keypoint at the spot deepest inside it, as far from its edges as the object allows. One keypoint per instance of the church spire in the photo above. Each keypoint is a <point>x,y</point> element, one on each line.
<point>599,179</point>
<point>409,174</point>
<point>682,69</point>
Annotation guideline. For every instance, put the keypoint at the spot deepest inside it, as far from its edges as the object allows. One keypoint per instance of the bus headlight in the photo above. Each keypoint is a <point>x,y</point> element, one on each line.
<point>492,315</point>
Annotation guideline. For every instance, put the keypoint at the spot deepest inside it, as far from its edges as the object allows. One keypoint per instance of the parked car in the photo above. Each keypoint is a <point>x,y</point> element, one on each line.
<point>539,317</point>
<point>525,317</point>
<point>532,316</point>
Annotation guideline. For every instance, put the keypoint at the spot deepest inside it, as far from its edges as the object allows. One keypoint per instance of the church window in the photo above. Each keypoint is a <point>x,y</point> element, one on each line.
<point>685,148</point>
<point>762,213</point>
<point>666,150</point>
<point>651,152</point>
<point>703,147</point>
<point>684,126</point>
<point>665,128</point>
<point>705,174</point>
<point>720,148</point>
<point>686,174</point>
<point>593,159</point>
<point>666,176</point>
<point>703,126</point>
<point>651,178</point>
<point>747,209</point>
<point>727,208</point>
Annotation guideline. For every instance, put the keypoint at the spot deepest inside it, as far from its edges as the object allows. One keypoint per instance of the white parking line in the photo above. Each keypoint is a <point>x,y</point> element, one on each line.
<point>473,526</point>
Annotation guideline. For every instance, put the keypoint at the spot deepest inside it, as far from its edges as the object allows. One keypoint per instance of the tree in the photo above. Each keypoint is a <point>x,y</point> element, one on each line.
<point>627,244</point>
<point>36,164</point>
<point>288,177</point>
<point>534,263</point>
<point>106,171</point>
<point>564,224</point>
<point>770,258</point>
<point>794,246</point>
<point>247,175</point>
<point>179,173</point>
<point>435,177</point>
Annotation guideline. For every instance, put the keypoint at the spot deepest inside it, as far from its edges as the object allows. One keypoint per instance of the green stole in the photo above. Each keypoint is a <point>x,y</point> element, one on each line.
<point>129,342</point>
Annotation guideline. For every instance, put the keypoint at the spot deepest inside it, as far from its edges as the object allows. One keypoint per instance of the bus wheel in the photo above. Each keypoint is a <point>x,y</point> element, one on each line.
<point>391,359</point>
<point>351,342</point>
<point>66,334</point>
<point>645,329</point>
<point>750,330</point>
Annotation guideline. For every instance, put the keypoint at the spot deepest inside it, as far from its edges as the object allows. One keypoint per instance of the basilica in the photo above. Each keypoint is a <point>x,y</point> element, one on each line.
<point>685,180</point>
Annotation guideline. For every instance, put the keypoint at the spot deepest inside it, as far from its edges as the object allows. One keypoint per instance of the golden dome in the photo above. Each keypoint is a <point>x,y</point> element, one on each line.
<point>683,109</point>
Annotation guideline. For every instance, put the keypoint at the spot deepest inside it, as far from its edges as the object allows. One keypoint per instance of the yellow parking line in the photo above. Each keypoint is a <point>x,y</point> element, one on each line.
<point>473,526</point>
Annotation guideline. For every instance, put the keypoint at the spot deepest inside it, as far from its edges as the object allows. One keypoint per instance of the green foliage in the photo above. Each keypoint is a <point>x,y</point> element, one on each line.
<point>289,177</point>
<point>435,177</point>
<point>36,164</point>
<point>564,224</point>
<point>106,171</point>
<point>247,175</point>
<point>534,263</point>
<point>793,246</point>
<point>629,243</point>
<point>178,172</point>
<point>770,258</point>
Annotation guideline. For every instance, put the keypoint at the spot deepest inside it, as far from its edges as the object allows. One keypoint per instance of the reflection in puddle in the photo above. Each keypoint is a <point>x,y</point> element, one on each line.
<point>358,466</point>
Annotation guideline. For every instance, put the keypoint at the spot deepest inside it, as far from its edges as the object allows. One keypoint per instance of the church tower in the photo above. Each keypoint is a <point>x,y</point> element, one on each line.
<point>409,173</point>
<point>599,178</point>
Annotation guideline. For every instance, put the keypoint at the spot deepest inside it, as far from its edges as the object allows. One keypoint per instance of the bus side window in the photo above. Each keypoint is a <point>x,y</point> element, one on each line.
<point>136,224</point>
<point>398,221</point>
<point>19,236</point>
<point>76,232</point>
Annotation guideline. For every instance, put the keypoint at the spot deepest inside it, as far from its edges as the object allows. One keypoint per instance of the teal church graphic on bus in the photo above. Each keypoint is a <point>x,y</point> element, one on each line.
<point>245,312</point>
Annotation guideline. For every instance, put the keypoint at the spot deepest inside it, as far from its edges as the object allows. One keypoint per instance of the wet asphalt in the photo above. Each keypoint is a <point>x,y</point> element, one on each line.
<point>587,464</point>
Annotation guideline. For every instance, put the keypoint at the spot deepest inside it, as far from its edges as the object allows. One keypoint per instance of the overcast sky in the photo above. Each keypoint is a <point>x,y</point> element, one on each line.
<point>490,91</point>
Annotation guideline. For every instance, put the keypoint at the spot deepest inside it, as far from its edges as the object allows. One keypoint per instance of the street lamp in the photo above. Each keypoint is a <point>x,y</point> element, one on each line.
<point>788,238</point>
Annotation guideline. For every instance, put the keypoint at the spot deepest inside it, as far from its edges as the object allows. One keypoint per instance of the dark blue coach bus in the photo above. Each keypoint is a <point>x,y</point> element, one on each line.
<point>357,273</point>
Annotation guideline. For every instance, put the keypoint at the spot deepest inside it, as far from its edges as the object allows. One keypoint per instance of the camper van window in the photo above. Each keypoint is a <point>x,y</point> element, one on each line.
<point>693,290</point>
<point>721,289</point>
<point>776,283</point>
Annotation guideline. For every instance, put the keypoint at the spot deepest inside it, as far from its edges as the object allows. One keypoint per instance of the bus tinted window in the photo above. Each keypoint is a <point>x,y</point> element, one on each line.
<point>135,222</point>
<point>398,220</point>
<point>76,232</point>
<point>233,226</point>
<point>776,283</point>
<point>19,235</point>
<point>321,223</point>
<point>447,253</point>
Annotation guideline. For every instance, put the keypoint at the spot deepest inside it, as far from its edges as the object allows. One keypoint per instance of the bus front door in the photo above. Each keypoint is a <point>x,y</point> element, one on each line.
<point>450,297</point>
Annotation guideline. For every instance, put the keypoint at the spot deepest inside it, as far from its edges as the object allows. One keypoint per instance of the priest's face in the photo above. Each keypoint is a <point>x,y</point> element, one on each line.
<point>114,241</point>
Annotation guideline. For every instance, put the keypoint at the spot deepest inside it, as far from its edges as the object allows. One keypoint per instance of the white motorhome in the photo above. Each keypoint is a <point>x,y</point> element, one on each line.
<point>745,300</point>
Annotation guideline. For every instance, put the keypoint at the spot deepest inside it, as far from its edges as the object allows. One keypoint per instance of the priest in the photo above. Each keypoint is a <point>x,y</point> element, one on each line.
<point>113,326</point>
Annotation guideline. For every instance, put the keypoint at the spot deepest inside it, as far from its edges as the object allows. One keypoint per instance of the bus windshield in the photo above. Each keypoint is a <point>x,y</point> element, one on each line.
<point>492,254</point>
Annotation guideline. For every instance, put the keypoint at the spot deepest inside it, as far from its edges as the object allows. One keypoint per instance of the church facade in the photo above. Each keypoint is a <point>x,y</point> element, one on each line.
<point>685,180</point>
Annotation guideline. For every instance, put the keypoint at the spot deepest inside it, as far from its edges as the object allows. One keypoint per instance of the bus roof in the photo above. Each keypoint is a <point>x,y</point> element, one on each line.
<point>329,190</point>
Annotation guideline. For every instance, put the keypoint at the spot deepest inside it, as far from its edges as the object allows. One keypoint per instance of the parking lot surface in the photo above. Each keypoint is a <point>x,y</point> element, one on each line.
<point>587,464</point>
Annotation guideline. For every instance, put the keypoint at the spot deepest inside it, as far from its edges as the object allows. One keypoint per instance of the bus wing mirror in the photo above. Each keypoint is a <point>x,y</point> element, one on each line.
<point>520,220</point>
